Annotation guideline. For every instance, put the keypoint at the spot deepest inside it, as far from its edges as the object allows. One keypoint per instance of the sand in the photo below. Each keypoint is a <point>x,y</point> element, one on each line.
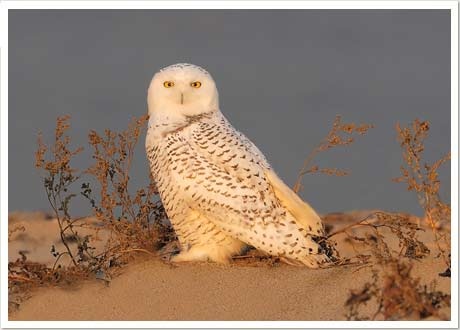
<point>149,289</point>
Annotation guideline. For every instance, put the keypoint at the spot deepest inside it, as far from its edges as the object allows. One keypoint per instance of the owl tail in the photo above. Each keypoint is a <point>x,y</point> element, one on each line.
<point>303,213</point>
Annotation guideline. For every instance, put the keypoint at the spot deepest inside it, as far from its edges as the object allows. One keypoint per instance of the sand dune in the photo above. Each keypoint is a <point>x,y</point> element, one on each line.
<point>149,289</point>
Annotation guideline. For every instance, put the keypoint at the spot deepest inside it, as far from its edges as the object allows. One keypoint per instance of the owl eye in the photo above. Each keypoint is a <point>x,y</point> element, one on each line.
<point>196,84</point>
<point>168,84</point>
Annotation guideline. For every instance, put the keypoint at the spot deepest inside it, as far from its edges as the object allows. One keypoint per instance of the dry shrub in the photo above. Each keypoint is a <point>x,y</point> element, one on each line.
<point>423,178</point>
<point>59,176</point>
<point>133,219</point>
<point>380,223</point>
<point>398,294</point>
<point>134,222</point>
<point>394,289</point>
<point>341,134</point>
<point>25,275</point>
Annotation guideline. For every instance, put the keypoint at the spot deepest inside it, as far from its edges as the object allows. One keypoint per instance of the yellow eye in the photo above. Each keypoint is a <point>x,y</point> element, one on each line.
<point>196,84</point>
<point>168,84</point>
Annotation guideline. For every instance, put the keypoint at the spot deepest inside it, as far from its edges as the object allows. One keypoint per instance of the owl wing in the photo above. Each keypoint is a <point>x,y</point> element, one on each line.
<point>251,164</point>
<point>235,177</point>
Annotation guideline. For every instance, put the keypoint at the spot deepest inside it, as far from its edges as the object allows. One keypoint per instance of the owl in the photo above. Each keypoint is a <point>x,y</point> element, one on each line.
<point>219,191</point>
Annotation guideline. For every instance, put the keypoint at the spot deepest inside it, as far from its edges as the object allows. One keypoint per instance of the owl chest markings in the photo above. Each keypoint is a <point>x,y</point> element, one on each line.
<point>173,158</point>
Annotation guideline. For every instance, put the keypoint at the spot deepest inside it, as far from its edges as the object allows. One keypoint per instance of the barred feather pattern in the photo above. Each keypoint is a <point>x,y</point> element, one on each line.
<point>212,182</point>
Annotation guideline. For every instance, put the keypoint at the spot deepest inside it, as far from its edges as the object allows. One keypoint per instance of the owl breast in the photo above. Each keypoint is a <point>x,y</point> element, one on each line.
<point>171,161</point>
<point>168,157</point>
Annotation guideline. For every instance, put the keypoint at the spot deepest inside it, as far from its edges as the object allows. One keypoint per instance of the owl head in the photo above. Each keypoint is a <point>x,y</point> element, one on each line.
<point>182,90</point>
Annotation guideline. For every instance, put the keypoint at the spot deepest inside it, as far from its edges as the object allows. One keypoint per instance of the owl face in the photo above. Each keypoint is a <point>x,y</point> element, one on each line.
<point>182,90</point>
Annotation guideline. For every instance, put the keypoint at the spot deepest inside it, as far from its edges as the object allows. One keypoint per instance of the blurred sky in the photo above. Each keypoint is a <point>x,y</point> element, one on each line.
<point>282,77</point>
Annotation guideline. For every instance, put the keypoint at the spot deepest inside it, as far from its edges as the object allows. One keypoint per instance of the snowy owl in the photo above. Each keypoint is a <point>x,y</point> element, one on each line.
<point>218,190</point>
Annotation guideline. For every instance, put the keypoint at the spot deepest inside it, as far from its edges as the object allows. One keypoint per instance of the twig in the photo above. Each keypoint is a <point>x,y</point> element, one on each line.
<point>19,278</point>
<point>137,250</point>
<point>358,223</point>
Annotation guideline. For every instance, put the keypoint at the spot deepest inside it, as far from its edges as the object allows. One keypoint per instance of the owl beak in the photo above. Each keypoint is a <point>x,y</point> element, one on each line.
<point>181,98</point>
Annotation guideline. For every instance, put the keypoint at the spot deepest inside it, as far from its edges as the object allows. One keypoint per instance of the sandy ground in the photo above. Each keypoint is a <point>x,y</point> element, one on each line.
<point>149,289</point>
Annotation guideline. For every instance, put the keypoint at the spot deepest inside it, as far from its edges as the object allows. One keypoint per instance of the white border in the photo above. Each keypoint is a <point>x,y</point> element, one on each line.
<point>6,5</point>
<point>226,4</point>
<point>4,162</point>
<point>454,160</point>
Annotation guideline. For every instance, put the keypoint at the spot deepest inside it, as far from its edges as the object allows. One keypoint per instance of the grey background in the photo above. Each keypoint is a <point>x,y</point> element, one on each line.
<point>282,77</point>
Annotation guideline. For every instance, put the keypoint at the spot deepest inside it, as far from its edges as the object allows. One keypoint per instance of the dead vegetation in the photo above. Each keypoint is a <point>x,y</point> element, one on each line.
<point>397,293</point>
<point>341,134</point>
<point>423,179</point>
<point>399,296</point>
<point>135,221</point>
<point>393,288</point>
